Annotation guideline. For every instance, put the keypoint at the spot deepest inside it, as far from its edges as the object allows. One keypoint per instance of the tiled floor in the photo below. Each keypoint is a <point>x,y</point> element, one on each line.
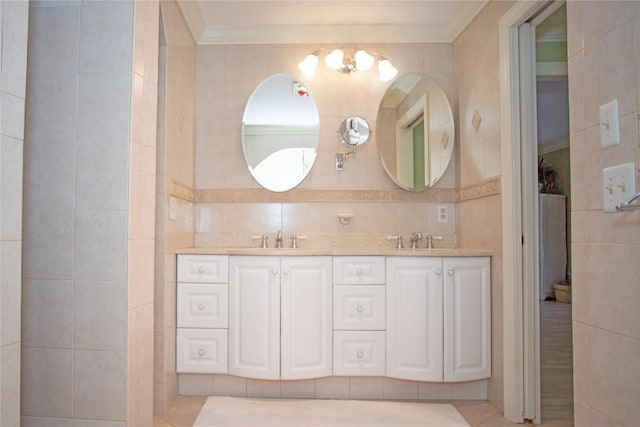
<point>477,413</point>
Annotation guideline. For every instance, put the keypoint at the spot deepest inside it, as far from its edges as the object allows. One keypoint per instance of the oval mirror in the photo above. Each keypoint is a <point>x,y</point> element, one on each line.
<point>415,132</point>
<point>354,131</point>
<point>280,132</point>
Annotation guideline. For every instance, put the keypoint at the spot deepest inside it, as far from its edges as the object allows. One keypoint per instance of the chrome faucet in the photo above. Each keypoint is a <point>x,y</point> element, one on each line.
<point>294,241</point>
<point>263,240</point>
<point>279,240</point>
<point>430,239</point>
<point>414,240</point>
<point>398,239</point>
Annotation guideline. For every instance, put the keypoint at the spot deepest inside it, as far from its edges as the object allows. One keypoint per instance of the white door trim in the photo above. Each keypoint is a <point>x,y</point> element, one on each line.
<point>516,408</point>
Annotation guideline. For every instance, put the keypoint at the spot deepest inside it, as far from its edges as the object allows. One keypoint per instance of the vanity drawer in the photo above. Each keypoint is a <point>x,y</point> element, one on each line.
<point>357,307</point>
<point>203,268</point>
<point>358,270</point>
<point>202,305</point>
<point>359,353</point>
<point>202,351</point>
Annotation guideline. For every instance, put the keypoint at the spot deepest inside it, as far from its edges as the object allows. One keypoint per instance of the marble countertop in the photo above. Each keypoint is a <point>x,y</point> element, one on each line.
<point>437,252</point>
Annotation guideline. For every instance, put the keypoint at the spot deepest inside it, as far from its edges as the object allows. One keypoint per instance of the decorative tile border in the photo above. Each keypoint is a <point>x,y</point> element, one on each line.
<point>299,195</point>
<point>489,187</point>
<point>181,191</point>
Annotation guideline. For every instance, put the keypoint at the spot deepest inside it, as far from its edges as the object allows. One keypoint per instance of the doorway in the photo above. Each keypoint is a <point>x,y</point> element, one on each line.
<point>554,219</point>
<point>520,215</point>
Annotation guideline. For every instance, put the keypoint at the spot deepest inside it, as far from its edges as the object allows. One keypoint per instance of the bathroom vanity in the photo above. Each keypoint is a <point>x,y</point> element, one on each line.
<point>292,314</point>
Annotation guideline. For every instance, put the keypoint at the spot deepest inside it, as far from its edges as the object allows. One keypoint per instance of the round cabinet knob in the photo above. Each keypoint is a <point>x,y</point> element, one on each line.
<point>359,271</point>
<point>201,307</point>
<point>360,309</point>
<point>438,272</point>
<point>201,352</point>
<point>274,271</point>
<point>360,355</point>
<point>450,272</point>
<point>286,271</point>
<point>201,270</point>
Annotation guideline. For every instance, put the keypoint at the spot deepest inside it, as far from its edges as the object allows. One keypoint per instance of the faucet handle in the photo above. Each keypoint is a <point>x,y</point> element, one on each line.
<point>430,239</point>
<point>263,243</point>
<point>398,238</point>
<point>414,239</point>
<point>294,241</point>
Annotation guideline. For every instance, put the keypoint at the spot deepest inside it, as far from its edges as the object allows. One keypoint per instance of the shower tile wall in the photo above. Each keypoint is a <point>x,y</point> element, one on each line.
<point>88,212</point>
<point>14,17</point>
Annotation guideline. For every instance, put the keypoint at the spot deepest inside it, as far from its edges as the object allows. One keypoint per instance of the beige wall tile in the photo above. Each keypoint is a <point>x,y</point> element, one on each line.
<point>400,389</point>
<point>332,388</point>
<point>227,385</point>
<point>49,253</point>
<point>366,388</point>
<point>54,39</point>
<point>435,391</point>
<point>10,384</point>
<point>613,391</point>
<point>10,292</point>
<point>260,388</point>
<point>100,326</point>
<point>195,385</point>
<point>304,389</point>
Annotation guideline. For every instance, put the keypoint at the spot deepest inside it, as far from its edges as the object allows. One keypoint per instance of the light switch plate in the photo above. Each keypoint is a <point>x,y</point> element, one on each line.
<point>619,185</point>
<point>609,124</point>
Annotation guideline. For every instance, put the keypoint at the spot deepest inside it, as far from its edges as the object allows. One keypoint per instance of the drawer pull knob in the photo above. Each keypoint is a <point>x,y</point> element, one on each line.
<point>360,355</point>
<point>359,271</point>
<point>274,271</point>
<point>201,270</point>
<point>360,309</point>
<point>450,272</point>
<point>201,307</point>
<point>438,272</point>
<point>201,352</point>
<point>286,271</point>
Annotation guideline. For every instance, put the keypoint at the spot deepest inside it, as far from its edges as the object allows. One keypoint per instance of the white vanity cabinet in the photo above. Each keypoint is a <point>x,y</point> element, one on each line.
<point>280,317</point>
<point>359,315</point>
<point>438,318</point>
<point>201,315</point>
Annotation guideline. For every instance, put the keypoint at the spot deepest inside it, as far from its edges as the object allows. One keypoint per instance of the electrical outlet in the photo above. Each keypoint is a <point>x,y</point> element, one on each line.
<point>443,214</point>
<point>619,185</point>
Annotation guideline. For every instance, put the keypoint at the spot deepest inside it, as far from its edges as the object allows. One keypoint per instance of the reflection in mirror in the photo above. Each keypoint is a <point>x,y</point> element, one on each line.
<point>354,131</point>
<point>415,132</point>
<point>280,132</point>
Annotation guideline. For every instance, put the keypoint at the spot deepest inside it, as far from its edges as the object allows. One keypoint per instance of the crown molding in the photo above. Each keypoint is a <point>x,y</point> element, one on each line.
<point>326,33</point>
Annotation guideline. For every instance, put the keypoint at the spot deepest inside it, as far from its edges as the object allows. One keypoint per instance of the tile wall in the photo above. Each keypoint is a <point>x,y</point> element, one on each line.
<point>14,20</point>
<point>477,87</point>
<point>604,53</point>
<point>175,181</point>
<point>88,213</point>
<point>231,206</point>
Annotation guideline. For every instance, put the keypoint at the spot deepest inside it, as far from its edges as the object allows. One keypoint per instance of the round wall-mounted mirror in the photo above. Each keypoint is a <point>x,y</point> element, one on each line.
<point>354,131</point>
<point>280,132</point>
<point>415,132</point>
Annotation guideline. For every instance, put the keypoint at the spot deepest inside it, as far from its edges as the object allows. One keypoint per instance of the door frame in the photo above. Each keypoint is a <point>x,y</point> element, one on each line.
<point>520,305</point>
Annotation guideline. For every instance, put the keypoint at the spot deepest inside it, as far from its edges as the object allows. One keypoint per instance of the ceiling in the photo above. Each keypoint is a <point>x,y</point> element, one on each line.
<point>327,21</point>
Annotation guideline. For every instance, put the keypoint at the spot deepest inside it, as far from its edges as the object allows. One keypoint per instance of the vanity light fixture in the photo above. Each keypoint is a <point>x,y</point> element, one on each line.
<point>360,60</point>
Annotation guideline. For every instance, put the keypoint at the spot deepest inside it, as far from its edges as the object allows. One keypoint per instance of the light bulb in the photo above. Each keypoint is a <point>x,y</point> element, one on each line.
<point>386,70</point>
<point>334,59</point>
<point>364,61</point>
<point>308,65</point>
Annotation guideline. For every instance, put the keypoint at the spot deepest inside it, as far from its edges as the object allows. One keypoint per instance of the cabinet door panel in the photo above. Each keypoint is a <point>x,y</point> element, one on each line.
<point>201,268</point>
<point>358,353</point>
<point>467,319</point>
<point>202,305</point>
<point>359,308</point>
<point>254,317</point>
<point>414,318</point>
<point>201,351</point>
<point>306,329</point>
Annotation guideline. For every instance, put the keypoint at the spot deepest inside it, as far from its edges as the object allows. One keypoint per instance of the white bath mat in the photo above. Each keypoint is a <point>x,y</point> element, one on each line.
<point>245,412</point>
